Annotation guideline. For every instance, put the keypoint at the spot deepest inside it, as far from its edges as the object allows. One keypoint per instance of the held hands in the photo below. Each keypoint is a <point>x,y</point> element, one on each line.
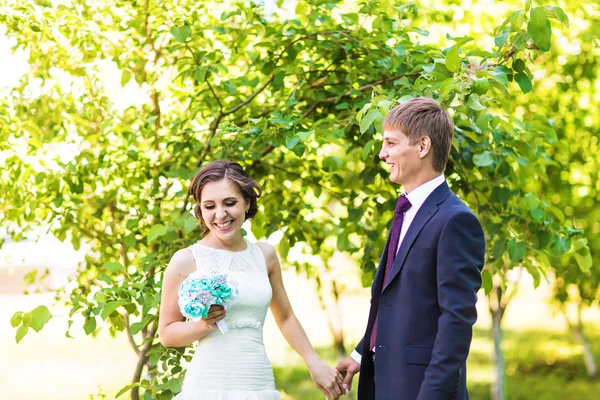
<point>348,368</point>
<point>215,314</point>
<point>327,379</point>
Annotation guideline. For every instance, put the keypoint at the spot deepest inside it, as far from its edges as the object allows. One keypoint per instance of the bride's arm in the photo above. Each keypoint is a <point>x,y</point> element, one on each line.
<point>326,378</point>
<point>172,330</point>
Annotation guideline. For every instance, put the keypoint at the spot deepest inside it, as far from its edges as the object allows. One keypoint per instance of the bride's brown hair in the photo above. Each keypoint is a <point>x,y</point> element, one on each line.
<point>223,169</point>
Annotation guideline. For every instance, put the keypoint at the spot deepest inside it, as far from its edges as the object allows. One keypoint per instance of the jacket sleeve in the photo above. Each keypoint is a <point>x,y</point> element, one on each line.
<point>460,258</point>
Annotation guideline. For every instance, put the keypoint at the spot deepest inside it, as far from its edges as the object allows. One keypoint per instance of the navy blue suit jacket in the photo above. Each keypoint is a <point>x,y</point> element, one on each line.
<point>427,306</point>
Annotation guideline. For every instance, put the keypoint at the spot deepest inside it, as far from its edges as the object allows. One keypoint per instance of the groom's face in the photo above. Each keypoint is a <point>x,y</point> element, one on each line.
<point>400,155</point>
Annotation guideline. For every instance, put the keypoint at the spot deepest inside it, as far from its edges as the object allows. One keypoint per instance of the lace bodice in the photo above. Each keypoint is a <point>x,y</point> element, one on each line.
<point>248,267</point>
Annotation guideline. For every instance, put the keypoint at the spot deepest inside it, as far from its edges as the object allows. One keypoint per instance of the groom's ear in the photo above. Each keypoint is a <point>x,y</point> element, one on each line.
<point>424,146</point>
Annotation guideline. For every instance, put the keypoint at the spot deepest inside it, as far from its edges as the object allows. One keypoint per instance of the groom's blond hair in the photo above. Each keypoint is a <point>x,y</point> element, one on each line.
<point>424,117</point>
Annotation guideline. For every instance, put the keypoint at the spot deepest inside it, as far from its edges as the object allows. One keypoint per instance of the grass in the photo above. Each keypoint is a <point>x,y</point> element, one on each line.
<point>541,365</point>
<point>543,362</point>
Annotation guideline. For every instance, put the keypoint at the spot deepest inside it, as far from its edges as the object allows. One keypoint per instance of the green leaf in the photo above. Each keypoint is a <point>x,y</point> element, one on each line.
<point>39,317</point>
<point>537,17</point>
<point>367,278</point>
<point>452,60</point>
<point>305,135</point>
<point>557,13</point>
<point>532,201</point>
<point>538,214</point>
<point>90,325</point>
<point>367,149</point>
<point>558,213</point>
<point>181,33</point>
<point>343,243</point>
<point>484,159</point>
<point>126,389</point>
<point>190,224</point>
<point>16,319</point>
<point>299,149</point>
<point>284,248</point>
<point>24,328</point>
<point>524,82</point>
<point>175,385</point>
<point>516,20</point>
<point>113,266</point>
<point>516,250</point>
<point>487,282</point>
<point>200,74</point>
<point>541,36</point>
<point>291,142</point>
<point>474,103</point>
<point>518,65</point>
<point>483,121</point>
<point>584,259</point>
<point>125,77</point>
<point>220,29</point>
<point>110,307</point>
<point>130,240</point>
<point>368,120</point>
<point>21,332</point>
<point>384,105</point>
<point>132,223</point>
<point>137,326</point>
<point>501,39</point>
<point>156,231</point>
<point>446,87</point>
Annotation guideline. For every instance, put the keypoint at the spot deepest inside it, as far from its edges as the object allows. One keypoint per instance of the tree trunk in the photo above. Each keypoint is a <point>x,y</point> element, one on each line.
<point>498,359</point>
<point>338,333</point>
<point>497,309</point>
<point>576,330</point>
<point>331,309</point>
<point>590,362</point>
<point>143,359</point>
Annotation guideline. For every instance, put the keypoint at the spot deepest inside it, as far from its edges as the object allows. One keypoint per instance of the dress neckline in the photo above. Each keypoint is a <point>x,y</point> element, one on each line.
<point>228,251</point>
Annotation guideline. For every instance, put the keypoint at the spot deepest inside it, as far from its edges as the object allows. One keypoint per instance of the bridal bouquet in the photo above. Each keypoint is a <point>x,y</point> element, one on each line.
<point>202,289</point>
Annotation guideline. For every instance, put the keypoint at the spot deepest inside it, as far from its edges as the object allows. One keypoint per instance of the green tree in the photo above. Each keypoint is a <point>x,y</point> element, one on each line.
<point>298,101</point>
<point>569,103</point>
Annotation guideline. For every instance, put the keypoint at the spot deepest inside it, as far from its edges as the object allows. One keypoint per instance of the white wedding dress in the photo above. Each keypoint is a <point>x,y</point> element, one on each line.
<point>234,365</point>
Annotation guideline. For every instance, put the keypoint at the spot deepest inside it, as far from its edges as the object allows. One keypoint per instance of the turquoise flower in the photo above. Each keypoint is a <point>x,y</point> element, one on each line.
<point>195,310</point>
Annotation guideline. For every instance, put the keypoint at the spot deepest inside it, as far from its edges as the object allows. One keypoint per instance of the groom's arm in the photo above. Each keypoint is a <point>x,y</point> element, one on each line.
<point>460,257</point>
<point>356,354</point>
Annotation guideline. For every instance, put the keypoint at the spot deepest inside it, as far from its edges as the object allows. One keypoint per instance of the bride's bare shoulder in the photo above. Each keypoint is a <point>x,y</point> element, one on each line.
<point>182,263</point>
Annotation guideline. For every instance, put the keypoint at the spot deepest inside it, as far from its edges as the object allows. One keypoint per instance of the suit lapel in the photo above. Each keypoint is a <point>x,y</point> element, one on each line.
<point>425,213</point>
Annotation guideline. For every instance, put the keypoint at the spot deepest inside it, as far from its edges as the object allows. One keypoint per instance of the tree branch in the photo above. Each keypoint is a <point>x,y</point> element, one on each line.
<point>314,106</point>
<point>249,99</point>
<point>360,89</point>
<point>214,95</point>
<point>130,336</point>
<point>143,358</point>
<point>309,36</point>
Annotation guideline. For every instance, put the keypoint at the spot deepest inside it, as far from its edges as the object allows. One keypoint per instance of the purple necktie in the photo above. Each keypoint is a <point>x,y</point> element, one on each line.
<point>402,205</point>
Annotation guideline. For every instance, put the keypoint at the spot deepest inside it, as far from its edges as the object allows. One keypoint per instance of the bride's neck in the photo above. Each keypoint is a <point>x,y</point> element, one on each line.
<point>235,244</point>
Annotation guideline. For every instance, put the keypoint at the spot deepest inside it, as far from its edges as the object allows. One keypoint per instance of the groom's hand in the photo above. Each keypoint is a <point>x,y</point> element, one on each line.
<point>348,367</point>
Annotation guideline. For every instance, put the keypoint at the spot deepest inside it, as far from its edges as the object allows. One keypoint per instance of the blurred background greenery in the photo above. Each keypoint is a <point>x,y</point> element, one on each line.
<point>108,108</point>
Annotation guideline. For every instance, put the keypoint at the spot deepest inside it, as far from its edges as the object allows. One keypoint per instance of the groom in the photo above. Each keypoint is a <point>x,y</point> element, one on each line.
<point>425,289</point>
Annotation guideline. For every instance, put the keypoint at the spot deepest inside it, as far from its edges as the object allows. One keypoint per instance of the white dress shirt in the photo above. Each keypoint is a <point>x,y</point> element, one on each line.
<point>417,197</point>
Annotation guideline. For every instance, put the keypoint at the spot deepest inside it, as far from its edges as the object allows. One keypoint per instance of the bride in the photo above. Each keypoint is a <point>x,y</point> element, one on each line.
<point>234,365</point>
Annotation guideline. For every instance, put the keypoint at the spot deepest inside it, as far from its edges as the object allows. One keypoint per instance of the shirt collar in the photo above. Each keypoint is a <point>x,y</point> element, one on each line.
<point>418,196</point>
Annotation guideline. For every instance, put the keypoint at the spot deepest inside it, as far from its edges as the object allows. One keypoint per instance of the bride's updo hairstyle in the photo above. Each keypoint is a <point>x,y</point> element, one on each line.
<point>223,169</point>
